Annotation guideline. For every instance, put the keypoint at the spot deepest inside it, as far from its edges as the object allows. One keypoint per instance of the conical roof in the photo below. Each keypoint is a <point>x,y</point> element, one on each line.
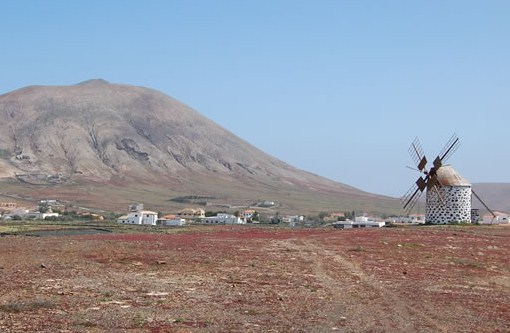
<point>448,176</point>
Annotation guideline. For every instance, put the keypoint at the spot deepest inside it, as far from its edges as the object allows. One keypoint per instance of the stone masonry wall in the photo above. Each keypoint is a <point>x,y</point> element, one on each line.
<point>448,204</point>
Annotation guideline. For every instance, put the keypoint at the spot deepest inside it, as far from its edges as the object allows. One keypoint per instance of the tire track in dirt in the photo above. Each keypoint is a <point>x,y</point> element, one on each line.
<point>359,301</point>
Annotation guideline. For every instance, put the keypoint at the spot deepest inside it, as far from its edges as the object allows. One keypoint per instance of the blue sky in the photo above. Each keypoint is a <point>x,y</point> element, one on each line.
<point>338,88</point>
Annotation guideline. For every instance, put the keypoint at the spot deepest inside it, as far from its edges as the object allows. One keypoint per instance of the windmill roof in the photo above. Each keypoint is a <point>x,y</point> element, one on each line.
<point>448,176</point>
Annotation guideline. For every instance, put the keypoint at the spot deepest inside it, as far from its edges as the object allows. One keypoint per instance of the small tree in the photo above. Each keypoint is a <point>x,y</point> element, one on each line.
<point>322,215</point>
<point>43,208</point>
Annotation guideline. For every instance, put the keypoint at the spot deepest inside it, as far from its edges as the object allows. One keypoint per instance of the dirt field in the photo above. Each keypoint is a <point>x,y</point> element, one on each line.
<point>243,279</point>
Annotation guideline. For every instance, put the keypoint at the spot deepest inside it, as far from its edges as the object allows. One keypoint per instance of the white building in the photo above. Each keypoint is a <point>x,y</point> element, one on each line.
<point>224,219</point>
<point>39,216</point>
<point>139,217</point>
<point>26,214</point>
<point>501,218</point>
<point>412,218</point>
<point>173,222</point>
<point>358,224</point>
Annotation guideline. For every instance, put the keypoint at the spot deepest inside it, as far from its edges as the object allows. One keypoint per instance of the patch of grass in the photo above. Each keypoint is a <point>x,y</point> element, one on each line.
<point>466,262</point>
<point>462,223</point>
<point>81,320</point>
<point>138,320</point>
<point>85,323</point>
<point>107,296</point>
<point>358,248</point>
<point>16,307</point>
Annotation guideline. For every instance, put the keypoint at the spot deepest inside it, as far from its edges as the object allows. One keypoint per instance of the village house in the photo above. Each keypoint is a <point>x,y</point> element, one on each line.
<point>501,218</point>
<point>192,213</point>
<point>411,218</point>
<point>140,217</point>
<point>171,220</point>
<point>292,218</point>
<point>7,205</point>
<point>247,215</point>
<point>26,214</point>
<point>358,224</point>
<point>224,219</point>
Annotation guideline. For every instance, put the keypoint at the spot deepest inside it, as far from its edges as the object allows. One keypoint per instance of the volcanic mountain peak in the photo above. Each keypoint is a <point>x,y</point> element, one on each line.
<point>92,82</point>
<point>103,132</point>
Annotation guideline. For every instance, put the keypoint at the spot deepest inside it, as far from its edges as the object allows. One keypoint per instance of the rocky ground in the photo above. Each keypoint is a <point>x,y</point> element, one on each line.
<point>244,279</point>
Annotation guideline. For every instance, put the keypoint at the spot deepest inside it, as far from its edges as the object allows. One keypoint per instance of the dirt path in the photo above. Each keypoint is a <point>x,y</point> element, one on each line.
<point>360,302</point>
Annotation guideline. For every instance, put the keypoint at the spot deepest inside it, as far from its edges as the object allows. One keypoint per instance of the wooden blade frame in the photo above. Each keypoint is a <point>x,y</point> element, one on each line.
<point>451,146</point>
<point>413,194</point>
<point>416,152</point>
<point>483,203</point>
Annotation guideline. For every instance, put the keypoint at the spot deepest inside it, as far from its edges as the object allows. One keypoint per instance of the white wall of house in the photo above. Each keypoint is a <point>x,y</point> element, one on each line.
<point>150,218</point>
<point>350,224</point>
<point>174,222</point>
<point>29,215</point>
<point>141,217</point>
<point>224,219</point>
<point>501,218</point>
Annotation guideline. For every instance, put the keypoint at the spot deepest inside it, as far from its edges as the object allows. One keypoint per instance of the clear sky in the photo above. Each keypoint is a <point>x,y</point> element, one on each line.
<point>339,88</point>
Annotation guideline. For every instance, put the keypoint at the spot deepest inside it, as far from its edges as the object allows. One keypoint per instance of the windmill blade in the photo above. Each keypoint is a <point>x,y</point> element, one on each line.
<point>412,202</point>
<point>437,163</point>
<point>451,146</point>
<point>483,203</point>
<point>416,152</point>
<point>412,195</point>
<point>422,183</point>
<point>406,198</point>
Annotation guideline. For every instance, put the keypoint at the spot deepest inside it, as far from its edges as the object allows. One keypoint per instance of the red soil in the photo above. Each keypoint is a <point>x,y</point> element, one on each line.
<point>241,279</point>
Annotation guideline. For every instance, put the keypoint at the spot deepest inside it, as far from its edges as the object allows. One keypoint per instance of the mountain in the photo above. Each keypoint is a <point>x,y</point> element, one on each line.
<point>107,145</point>
<point>495,195</point>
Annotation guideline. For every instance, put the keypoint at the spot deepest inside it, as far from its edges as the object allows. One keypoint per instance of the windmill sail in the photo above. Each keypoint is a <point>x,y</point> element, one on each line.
<point>451,146</point>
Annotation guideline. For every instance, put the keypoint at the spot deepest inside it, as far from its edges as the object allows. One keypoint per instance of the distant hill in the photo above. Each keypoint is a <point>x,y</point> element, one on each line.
<point>107,145</point>
<point>495,195</point>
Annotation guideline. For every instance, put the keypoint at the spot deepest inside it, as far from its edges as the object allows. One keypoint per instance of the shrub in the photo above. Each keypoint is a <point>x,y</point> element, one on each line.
<point>17,307</point>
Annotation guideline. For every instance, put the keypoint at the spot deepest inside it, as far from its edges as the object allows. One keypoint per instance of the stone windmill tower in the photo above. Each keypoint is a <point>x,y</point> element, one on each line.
<point>448,197</point>
<point>450,200</point>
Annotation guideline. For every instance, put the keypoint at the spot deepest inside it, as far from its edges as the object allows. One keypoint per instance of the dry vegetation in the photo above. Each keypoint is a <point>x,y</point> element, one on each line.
<point>243,279</point>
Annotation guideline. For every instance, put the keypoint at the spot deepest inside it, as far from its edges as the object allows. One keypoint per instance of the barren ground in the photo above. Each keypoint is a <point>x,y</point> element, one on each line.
<point>244,279</point>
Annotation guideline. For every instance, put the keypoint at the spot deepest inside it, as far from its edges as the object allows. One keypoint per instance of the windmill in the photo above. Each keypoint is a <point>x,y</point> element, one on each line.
<point>448,194</point>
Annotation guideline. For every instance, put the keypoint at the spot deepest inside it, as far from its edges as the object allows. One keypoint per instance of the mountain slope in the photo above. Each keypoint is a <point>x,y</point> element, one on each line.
<point>135,138</point>
<point>495,195</point>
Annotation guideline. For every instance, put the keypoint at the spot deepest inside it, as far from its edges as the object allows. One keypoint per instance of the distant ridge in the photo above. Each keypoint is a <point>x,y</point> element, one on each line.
<point>496,195</point>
